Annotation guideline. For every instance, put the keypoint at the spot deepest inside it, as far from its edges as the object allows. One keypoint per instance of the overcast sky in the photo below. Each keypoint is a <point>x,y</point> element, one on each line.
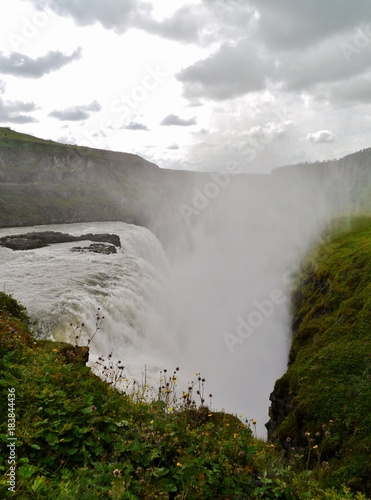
<point>191,84</point>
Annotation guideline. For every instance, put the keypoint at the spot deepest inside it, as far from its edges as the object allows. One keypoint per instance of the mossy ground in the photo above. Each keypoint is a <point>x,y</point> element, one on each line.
<point>79,437</point>
<point>329,376</point>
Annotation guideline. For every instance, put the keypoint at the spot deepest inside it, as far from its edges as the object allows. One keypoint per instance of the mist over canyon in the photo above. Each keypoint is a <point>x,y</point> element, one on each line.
<point>204,275</point>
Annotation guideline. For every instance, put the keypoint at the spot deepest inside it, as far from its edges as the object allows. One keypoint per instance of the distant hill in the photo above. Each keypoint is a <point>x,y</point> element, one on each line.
<point>45,182</point>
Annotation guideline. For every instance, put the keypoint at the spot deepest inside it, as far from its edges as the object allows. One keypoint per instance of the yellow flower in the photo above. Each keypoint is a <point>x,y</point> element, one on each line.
<point>254,422</point>
<point>234,435</point>
<point>151,422</point>
<point>179,464</point>
<point>315,446</point>
<point>210,415</point>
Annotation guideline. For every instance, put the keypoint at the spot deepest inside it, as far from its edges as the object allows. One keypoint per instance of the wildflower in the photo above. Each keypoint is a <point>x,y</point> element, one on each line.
<point>288,439</point>
<point>116,472</point>
<point>307,434</point>
<point>315,446</point>
<point>235,435</point>
<point>254,422</point>
<point>210,415</point>
<point>151,422</point>
<point>179,464</point>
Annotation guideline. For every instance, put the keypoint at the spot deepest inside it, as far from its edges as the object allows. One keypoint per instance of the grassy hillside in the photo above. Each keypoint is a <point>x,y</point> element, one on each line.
<point>324,399</point>
<point>78,437</point>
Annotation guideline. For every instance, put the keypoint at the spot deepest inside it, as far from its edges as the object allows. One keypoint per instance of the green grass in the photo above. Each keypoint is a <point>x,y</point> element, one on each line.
<point>79,437</point>
<point>329,377</point>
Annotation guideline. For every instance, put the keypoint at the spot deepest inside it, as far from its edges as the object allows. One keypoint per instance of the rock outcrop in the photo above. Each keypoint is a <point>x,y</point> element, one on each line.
<point>40,239</point>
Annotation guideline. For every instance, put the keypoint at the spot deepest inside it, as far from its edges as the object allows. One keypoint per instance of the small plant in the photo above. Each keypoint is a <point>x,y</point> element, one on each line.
<point>78,330</point>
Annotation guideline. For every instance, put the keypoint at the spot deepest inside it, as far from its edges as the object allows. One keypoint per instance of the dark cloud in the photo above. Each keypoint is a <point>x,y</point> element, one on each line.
<point>12,111</point>
<point>21,65</point>
<point>356,90</point>
<point>235,69</point>
<point>184,26</point>
<point>76,113</point>
<point>118,15</point>
<point>176,120</point>
<point>322,136</point>
<point>135,126</point>
<point>294,45</point>
<point>289,24</point>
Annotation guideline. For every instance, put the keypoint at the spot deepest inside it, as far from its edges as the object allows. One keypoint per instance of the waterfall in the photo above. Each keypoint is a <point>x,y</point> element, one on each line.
<point>63,290</point>
<point>220,307</point>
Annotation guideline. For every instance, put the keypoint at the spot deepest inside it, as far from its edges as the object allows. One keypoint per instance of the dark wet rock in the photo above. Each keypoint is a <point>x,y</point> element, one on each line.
<point>39,239</point>
<point>96,248</point>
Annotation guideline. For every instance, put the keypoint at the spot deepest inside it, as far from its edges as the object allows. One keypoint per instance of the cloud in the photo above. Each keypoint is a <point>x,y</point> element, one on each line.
<point>12,111</point>
<point>176,120</point>
<point>292,24</point>
<point>184,26</point>
<point>174,147</point>
<point>322,136</point>
<point>18,64</point>
<point>119,15</point>
<point>76,113</point>
<point>135,126</point>
<point>234,70</point>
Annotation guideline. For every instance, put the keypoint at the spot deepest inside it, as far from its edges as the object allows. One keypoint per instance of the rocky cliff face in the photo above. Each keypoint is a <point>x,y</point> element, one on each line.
<point>43,182</point>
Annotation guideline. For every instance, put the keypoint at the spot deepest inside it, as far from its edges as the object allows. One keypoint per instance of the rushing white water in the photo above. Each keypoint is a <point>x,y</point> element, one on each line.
<point>130,288</point>
<point>220,307</point>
